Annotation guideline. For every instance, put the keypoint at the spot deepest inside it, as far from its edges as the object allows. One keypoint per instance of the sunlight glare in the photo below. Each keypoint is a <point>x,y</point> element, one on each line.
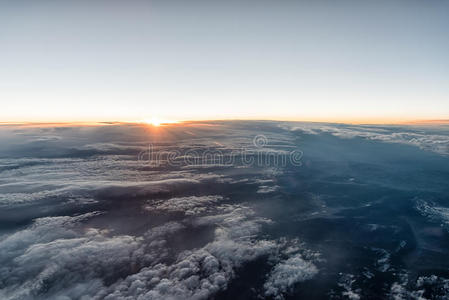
<point>158,122</point>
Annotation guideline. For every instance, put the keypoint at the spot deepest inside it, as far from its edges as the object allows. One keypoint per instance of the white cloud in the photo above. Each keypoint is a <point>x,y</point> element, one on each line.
<point>265,189</point>
<point>199,273</point>
<point>57,257</point>
<point>433,211</point>
<point>383,262</point>
<point>435,142</point>
<point>192,205</point>
<point>346,282</point>
<point>286,274</point>
<point>54,258</point>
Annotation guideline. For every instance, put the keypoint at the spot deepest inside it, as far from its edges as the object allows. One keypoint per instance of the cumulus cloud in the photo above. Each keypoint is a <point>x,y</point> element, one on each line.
<point>54,258</point>
<point>192,205</point>
<point>436,286</point>
<point>347,283</point>
<point>287,273</point>
<point>58,256</point>
<point>433,211</point>
<point>199,273</point>
<point>45,252</point>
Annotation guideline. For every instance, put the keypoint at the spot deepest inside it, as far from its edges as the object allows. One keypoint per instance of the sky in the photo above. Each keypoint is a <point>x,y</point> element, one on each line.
<point>375,61</point>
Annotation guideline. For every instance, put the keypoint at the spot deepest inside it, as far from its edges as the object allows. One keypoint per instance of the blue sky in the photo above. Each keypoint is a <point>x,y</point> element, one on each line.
<point>297,60</point>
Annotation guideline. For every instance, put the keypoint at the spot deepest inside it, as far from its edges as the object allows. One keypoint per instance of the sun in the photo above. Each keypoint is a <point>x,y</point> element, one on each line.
<point>157,121</point>
<point>153,121</point>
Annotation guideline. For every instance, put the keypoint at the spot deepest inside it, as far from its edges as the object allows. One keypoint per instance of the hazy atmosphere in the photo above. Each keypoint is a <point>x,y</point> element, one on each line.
<point>362,61</point>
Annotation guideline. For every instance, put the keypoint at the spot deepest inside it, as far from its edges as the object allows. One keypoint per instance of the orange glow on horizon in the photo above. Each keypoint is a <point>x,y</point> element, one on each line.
<point>157,122</point>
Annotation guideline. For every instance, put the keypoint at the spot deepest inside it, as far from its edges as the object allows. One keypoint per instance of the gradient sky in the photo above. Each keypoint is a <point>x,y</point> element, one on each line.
<point>297,60</point>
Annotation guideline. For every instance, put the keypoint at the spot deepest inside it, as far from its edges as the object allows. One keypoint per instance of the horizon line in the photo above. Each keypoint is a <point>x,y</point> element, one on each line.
<point>186,121</point>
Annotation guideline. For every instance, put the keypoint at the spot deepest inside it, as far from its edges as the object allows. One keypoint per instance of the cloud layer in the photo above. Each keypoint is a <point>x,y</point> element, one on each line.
<point>84,216</point>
